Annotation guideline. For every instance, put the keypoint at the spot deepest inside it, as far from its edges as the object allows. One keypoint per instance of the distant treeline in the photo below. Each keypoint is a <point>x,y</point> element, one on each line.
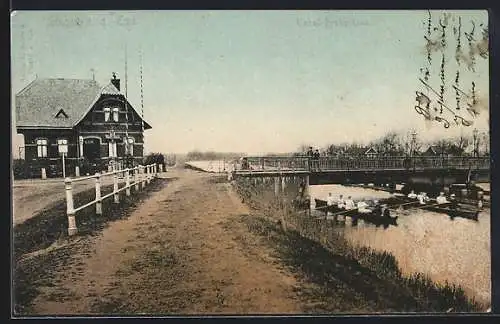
<point>211,155</point>
<point>401,144</point>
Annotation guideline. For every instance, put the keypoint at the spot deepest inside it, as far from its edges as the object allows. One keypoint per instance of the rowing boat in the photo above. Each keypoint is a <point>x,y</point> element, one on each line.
<point>408,203</point>
<point>451,209</point>
<point>355,215</point>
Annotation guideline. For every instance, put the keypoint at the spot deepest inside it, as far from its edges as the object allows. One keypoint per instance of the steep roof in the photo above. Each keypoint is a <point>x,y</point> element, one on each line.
<point>38,103</point>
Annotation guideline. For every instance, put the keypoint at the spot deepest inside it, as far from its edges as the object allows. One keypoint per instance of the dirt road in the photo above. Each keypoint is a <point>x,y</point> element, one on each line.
<point>180,252</point>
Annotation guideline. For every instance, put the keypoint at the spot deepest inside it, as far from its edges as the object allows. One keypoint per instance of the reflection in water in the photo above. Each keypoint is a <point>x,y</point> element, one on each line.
<point>457,251</point>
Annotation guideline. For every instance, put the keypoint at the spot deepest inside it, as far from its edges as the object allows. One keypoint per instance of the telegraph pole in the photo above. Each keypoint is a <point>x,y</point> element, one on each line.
<point>413,143</point>
<point>475,144</point>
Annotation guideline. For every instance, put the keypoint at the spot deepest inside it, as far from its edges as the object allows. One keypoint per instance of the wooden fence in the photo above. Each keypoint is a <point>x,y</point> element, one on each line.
<point>137,177</point>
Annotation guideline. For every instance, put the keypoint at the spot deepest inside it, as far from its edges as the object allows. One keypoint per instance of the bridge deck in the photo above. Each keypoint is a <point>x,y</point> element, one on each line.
<point>274,166</point>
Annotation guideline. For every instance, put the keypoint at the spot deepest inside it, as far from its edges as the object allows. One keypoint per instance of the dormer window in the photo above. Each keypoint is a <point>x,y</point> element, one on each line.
<point>107,112</point>
<point>61,114</point>
<point>115,114</point>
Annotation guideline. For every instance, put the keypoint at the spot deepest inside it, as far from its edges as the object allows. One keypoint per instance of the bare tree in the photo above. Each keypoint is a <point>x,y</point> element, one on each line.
<point>461,143</point>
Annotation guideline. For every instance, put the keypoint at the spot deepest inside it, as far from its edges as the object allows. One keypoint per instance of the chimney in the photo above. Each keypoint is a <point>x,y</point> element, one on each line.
<point>115,81</point>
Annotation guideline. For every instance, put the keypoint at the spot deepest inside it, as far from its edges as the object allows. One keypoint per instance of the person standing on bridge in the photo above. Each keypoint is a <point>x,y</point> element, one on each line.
<point>316,159</point>
<point>309,157</point>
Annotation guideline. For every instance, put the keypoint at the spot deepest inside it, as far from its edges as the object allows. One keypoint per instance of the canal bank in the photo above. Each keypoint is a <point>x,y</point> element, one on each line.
<point>429,294</point>
<point>456,250</point>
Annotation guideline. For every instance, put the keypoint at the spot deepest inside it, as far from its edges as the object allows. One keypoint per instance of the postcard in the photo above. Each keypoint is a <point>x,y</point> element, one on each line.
<point>286,162</point>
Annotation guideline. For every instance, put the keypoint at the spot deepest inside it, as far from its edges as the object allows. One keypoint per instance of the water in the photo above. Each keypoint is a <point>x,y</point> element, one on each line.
<point>457,251</point>
<point>212,166</point>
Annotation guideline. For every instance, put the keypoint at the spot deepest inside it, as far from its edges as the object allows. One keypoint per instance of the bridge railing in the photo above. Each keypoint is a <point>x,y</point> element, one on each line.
<point>275,163</point>
<point>378,163</point>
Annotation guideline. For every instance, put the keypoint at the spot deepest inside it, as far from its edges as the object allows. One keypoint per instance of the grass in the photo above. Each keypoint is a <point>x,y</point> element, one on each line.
<point>51,226</point>
<point>351,278</point>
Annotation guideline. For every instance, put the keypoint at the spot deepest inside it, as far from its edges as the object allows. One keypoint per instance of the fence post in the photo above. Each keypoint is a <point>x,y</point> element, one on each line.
<point>77,171</point>
<point>44,174</point>
<point>127,182</point>
<point>115,188</point>
<point>161,168</point>
<point>142,177</point>
<point>147,174</point>
<point>98,204</point>
<point>136,178</point>
<point>70,210</point>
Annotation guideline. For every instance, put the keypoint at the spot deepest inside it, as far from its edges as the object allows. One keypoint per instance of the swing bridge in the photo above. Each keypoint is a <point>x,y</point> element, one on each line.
<point>440,170</point>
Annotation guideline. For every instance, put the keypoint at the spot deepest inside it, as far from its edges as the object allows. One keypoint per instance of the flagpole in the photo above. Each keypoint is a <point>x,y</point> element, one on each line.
<point>126,144</point>
<point>142,102</point>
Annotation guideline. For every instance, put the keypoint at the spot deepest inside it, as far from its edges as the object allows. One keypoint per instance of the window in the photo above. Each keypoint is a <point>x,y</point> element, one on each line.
<point>41,145</point>
<point>106,113</point>
<point>115,114</point>
<point>112,149</point>
<point>129,145</point>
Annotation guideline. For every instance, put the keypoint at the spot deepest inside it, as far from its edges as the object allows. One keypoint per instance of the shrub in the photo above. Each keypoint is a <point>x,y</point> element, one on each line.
<point>157,158</point>
<point>20,169</point>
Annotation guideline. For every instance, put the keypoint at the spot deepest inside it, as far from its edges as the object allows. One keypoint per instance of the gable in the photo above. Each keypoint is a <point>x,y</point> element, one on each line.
<point>371,150</point>
<point>95,114</point>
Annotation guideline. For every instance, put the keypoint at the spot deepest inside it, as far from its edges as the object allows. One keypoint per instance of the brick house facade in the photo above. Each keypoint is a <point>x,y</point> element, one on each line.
<point>97,123</point>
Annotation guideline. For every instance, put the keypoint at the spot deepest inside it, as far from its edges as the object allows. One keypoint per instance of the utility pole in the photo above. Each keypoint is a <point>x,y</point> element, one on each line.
<point>475,144</point>
<point>413,143</point>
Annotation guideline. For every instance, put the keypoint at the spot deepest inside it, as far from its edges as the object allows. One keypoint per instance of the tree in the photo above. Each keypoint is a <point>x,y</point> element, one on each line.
<point>460,143</point>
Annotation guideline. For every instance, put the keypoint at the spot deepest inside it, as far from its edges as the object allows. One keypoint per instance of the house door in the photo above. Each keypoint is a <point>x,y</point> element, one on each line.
<point>91,149</point>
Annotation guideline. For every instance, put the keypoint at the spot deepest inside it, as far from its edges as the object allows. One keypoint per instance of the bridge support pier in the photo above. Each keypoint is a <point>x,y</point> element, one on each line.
<point>307,192</point>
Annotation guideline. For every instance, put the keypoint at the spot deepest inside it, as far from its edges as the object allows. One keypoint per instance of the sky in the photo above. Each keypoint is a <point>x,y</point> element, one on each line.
<point>252,81</point>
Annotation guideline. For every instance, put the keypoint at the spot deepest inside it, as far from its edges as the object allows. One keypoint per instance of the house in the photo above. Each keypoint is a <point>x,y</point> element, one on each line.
<point>443,151</point>
<point>355,151</point>
<point>96,123</point>
<point>433,150</point>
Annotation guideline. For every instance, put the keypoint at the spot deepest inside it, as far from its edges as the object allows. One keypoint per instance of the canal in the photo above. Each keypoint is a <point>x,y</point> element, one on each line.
<point>457,251</point>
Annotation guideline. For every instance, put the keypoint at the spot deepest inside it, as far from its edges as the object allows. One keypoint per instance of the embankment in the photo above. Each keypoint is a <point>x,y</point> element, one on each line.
<point>354,278</point>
